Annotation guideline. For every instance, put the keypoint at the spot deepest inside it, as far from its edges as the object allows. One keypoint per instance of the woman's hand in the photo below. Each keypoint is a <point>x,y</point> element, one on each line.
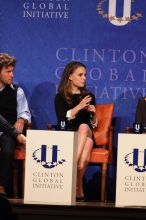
<point>91,108</point>
<point>85,102</point>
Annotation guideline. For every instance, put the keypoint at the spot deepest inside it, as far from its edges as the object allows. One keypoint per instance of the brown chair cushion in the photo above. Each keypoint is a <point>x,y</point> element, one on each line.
<point>19,153</point>
<point>99,155</point>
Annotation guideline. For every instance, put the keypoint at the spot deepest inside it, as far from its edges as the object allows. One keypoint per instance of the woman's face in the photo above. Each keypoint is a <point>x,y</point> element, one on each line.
<point>78,78</point>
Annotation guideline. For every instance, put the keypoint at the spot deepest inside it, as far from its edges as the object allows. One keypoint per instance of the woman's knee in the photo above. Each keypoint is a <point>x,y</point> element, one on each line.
<point>83,162</point>
<point>81,165</point>
<point>84,129</point>
<point>89,143</point>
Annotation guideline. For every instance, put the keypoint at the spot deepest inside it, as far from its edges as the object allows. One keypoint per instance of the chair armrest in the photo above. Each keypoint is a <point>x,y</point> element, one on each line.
<point>110,145</point>
<point>51,126</point>
<point>29,125</point>
<point>110,130</point>
<point>128,130</point>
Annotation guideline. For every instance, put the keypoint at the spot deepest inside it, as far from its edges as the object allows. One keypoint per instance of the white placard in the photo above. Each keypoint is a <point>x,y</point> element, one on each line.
<point>131,170</point>
<point>50,169</point>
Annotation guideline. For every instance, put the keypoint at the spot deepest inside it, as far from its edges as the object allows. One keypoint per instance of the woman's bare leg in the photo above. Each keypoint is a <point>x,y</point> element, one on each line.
<point>85,144</point>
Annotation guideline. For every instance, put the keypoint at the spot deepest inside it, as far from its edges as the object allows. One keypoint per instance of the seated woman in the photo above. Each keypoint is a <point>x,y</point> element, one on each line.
<point>75,105</point>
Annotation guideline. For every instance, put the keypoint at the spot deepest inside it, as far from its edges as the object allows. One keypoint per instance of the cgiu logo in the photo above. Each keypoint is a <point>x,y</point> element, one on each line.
<point>111,12</point>
<point>48,156</point>
<point>137,160</point>
<point>137,128</point>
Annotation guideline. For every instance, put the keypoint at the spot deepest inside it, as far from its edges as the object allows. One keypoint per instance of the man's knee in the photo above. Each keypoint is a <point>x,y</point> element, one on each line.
<point>7,144</point>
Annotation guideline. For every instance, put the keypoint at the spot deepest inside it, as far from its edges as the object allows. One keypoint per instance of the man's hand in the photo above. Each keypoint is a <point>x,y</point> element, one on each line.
<point>19,124</point>
<point>21,139</point>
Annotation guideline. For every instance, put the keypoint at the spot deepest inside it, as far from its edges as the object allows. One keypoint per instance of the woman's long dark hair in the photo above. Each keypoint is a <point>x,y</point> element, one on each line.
<point>65,87</point>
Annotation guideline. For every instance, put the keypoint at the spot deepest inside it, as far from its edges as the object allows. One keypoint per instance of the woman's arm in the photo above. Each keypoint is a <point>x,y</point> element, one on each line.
<point>84,103</point>
<point>61,106</point>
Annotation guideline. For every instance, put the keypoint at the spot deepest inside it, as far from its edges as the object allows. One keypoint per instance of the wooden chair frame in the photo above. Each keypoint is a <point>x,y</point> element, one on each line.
<point>102,154</point>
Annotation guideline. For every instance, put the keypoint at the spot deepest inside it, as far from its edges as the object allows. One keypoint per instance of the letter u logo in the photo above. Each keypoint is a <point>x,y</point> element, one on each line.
<point>62,124</point>
<point>137,127</point>
<point>44,153</point>
<point>137,160</point>
<point>126,12</point>
<point>48,156</point>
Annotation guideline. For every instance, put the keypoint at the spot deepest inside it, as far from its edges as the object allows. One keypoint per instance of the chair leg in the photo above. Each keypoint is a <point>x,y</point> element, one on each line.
<point>15,179</point>
<point>103,182</point>
<point>23,176</point>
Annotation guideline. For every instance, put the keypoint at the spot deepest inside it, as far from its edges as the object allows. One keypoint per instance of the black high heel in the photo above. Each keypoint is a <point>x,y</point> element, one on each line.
<point>80,198</point>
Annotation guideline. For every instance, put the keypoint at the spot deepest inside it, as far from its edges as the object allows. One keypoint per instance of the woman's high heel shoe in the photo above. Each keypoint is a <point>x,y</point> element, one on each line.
<point>80,198</point>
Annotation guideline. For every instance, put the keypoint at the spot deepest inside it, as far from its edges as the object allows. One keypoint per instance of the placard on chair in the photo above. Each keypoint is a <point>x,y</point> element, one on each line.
<point>131,170</point>
<point>50,169</point>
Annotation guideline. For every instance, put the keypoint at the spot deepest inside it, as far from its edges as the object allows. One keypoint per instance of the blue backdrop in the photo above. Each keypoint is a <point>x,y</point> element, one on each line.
<point>44,35</point>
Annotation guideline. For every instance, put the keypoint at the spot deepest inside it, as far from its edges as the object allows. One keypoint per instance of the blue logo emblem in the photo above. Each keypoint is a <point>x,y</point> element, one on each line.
<point>137,160</point>
<point>47,156</point>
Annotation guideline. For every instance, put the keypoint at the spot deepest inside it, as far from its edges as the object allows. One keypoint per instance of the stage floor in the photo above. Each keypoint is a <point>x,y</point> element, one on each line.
<point>78,203</point>
<point>81,210</point>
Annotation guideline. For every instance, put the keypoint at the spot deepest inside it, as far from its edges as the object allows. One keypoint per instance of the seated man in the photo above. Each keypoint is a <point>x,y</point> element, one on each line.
<point>5,209</point>
<point>140,115</point>
<point>11,131</point>
<point>14,111</point>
